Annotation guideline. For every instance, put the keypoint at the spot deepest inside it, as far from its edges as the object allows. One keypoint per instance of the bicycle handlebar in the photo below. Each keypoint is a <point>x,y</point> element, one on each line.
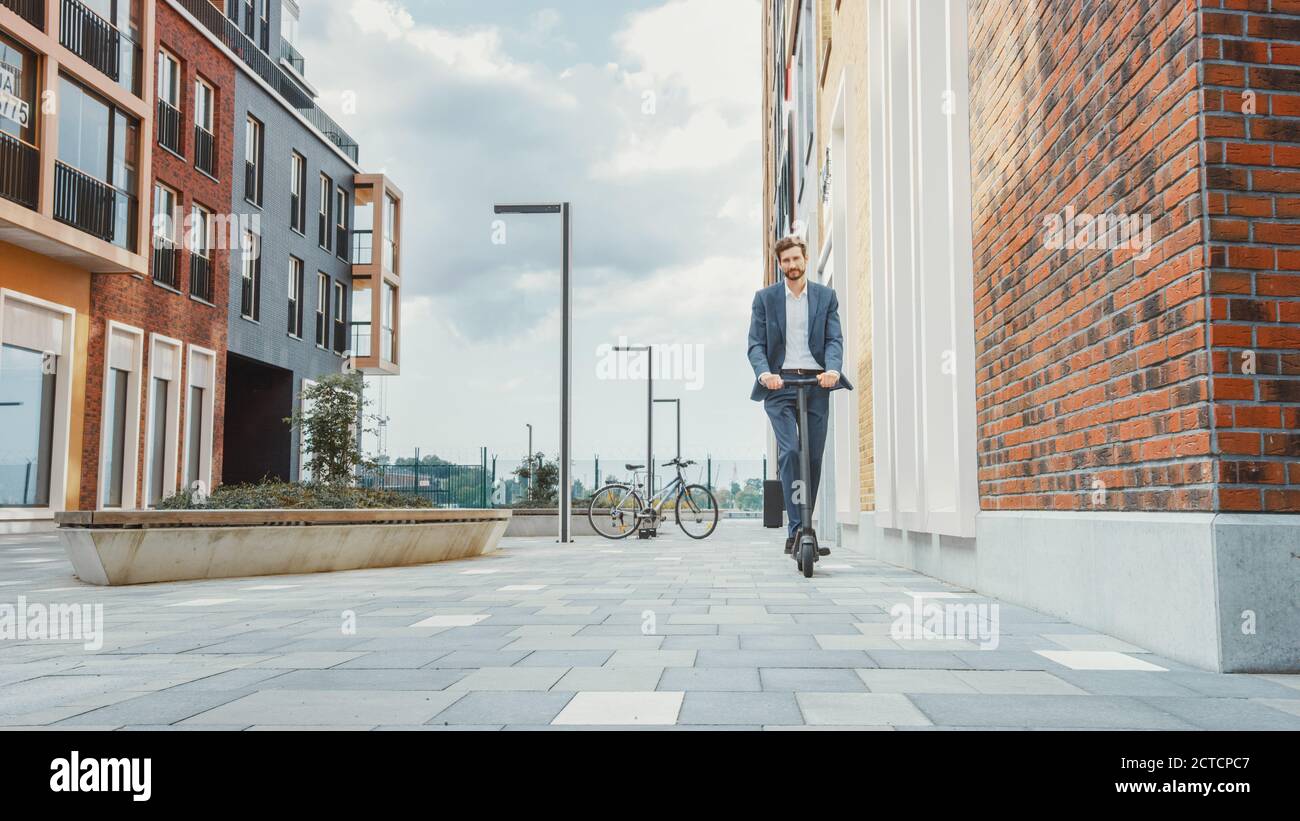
<point>675,462</point>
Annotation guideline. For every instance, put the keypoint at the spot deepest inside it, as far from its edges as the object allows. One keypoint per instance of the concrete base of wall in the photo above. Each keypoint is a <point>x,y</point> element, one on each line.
<point>136,555</point>
<point>542,522</point>
<point>1217,591</point>
<point>8,526</point>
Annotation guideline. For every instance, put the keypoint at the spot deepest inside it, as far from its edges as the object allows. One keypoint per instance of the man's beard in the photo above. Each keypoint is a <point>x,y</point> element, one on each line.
<point>793,273</point>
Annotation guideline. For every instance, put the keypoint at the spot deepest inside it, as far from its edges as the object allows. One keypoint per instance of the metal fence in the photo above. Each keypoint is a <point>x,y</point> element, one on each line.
<point>443,485</point>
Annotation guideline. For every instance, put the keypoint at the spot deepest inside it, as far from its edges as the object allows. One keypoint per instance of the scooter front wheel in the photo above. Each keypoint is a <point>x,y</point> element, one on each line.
<point>807,555</point>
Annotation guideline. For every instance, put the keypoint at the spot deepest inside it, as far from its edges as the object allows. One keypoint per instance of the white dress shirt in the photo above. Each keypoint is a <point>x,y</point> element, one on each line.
<point>797,351</point>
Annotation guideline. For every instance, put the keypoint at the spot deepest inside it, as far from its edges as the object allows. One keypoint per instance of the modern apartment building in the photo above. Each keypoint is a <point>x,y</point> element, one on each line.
<point>321,261</point>
<point>75,102</point>
<point>1062,240</point>
<point>179,223</point>
<point>154,395</point>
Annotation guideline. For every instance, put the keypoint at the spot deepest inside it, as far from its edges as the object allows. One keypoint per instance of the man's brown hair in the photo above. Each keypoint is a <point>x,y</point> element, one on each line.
<point>790,241</point>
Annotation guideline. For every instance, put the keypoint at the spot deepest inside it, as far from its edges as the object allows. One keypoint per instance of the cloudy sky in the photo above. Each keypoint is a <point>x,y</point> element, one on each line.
<point>642,113</point>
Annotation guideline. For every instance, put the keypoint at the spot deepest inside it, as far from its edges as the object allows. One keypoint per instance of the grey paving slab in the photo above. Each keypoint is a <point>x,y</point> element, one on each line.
<point>738,708</point>
<point>508,707</point>
<point>731,618</point>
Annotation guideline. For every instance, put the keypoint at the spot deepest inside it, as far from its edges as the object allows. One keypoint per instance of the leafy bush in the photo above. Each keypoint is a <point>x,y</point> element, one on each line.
<point>293,495</point>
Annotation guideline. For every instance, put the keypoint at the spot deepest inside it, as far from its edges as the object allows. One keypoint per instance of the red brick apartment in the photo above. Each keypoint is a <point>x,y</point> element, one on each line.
<point>1065,238</point>
<point>154,386</point>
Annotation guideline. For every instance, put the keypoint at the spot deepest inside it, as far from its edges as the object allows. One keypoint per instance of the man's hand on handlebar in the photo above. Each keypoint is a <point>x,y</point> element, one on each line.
<point>827,379</point>
<point>772,381</point>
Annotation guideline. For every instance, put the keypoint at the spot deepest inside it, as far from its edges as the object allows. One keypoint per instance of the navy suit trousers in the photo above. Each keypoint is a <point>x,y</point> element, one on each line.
<point>782,408</point>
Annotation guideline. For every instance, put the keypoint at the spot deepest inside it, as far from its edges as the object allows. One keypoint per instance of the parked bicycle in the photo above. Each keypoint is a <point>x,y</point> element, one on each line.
<point>617,508</point>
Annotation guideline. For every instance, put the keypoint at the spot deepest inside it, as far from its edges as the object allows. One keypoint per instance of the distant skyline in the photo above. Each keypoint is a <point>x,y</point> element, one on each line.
<point>642,114</point>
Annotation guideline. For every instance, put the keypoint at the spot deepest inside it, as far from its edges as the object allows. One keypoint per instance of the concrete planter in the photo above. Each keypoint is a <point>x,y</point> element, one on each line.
<point>543,521</point>
<point>138,546</point>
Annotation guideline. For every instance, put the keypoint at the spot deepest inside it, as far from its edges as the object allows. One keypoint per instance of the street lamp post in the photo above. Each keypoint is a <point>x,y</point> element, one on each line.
<point>565,492</point>
<point>678,403</point>
<point>649,413</point>
<point>529,461</point>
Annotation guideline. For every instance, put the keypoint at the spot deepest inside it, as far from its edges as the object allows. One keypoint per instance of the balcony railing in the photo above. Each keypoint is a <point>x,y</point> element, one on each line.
<point>200,277</point>
<point>33,11</point>
<point>269,70</point>
<point>169,126</point>
<point>98,42</point>
<point>291,56</point>
<point>340,336</point>
<point>94,206</point>
<point>341,240</point>
<point>166,263</point>
<point>20,166</point>
<point>204,151</point>
<point>362,250</point>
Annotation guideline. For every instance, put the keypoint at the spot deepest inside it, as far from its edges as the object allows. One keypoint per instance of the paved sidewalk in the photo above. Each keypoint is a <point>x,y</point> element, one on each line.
<point>671,633</point>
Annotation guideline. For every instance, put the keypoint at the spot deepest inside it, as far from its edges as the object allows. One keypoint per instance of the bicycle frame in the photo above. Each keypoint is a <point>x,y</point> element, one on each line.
<point>657,501</point>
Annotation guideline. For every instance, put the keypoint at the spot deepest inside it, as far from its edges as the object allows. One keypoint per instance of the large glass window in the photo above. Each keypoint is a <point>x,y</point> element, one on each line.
<point>115,396</point>
<point>158,439</point>
<point>390,233</point>
<point>323,216</point>
<point>17,90</point>
<point>386,327</point>
<point>295,297</point>
<point>27,404</point>
<point>298,192</point>
<point>253,152</point>
<point>250,303</point>
<point>322,308</point>
<point>101,143</point>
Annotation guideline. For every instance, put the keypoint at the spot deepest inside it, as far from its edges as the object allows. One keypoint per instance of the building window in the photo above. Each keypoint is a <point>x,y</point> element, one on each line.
<point>250,301</point>
<point>323,216</point>
<point>204,128</point>
<point>35,391</point>
<point>390,233</point>
<point>95,177</point>
<point>361,321</point>
<point>295,297</point>
<point>198,423</point>
<point>169,102</point>
<point>201,252</point>
<point>341,223</point>
<point>264,27</point>
<point>388,326</point>
<point>163,420</point>
<point>297,192</point>
<point>21,182</point>
<point>120,416</point>
<point>253,153</point>
<point>340,330</point>
<point>166,254</point>
<point>322,308</point>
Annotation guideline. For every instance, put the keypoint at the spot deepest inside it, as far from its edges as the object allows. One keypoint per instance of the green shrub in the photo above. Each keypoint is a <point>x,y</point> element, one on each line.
<point>292,495</point>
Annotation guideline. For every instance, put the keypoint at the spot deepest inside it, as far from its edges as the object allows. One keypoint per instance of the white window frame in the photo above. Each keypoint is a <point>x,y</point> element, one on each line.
<point>173,93</point>
<point>173,411</point>
<point>131,446</point>
<point>922,267</point>
<point>160,192</point>
<point>297,284</point>
<point>204,115</point>
<point>58,491</point>
<point>208,411</point>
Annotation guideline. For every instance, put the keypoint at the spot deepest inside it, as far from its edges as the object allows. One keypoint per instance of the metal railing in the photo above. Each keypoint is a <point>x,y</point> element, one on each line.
<point>466,486</point>
<point>270,71</point>
<point>341,240</point>
<point>200,277</point>
<point>100,43</point>
<point>94,206</point>
<point>362,250</point>
<point>169,126</point>
<point>33,11</point>
<point>291,56</point>
<point>20,167</point>
<point>204,150</point>
<point>166,263</point>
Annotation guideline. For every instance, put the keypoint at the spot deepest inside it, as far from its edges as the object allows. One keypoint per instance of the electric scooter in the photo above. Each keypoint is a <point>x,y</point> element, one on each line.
<point>805,550</point>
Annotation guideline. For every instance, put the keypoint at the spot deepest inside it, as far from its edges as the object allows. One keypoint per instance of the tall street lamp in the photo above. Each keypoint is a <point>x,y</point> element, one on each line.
<point>530,459</point>
<point>566,352</point>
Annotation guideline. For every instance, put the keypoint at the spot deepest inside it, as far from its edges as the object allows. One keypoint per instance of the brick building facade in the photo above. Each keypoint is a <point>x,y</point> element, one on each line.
<point>1072,241</point>
<point>178,303</point>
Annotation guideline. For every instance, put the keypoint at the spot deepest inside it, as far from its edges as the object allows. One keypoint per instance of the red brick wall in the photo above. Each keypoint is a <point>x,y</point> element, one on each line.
<point>1252,123</point>
<point>140,303</point>
<point>1092,364</point>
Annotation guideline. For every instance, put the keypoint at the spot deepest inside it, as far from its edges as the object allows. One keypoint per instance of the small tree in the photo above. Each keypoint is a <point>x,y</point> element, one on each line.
<point>329,427</point>
<point>543,479</point>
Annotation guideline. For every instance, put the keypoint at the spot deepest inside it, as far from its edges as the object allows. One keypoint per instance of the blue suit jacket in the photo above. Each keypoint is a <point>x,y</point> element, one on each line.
<point>767,333</point>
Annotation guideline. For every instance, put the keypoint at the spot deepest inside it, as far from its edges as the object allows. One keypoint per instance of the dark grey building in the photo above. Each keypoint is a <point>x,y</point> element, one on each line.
<point>306,247</point>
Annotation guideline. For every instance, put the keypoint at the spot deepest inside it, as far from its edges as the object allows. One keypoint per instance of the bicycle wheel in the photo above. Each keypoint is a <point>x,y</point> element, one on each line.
<point>697,511</point>
<point>613,511</point>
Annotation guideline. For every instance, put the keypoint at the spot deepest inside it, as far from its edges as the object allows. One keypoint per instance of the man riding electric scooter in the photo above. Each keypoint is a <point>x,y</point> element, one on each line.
<point>794,331</point>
